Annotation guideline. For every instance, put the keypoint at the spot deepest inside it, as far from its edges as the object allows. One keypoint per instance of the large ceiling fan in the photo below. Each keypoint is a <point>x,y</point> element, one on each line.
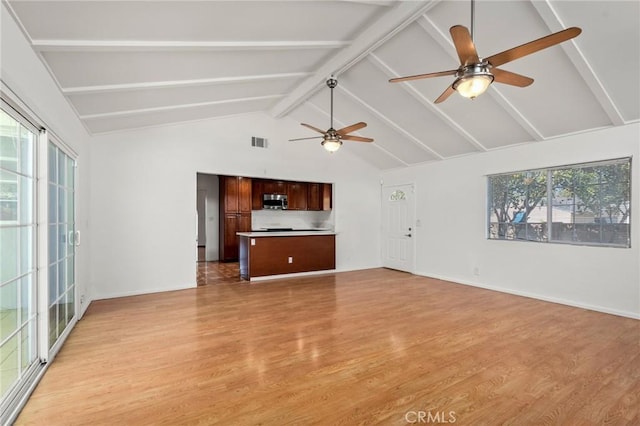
<point>332,139</point>
<point>474,75</point>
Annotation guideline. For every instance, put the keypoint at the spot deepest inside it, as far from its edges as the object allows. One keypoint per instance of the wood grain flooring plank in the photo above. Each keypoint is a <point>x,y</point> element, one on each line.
<point>361,347</point>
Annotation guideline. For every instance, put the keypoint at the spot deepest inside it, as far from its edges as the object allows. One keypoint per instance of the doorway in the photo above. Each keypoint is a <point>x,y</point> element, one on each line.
<point>207,212</point>
<point>398,227</point>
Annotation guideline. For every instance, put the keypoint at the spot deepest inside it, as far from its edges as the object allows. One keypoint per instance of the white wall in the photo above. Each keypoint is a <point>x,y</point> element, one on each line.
<point>25,75</point>
<point>144,195</point>
<point>451,205</point>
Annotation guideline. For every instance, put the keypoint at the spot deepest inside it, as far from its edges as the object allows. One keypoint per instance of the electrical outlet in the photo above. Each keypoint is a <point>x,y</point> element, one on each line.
<point>290,259</point>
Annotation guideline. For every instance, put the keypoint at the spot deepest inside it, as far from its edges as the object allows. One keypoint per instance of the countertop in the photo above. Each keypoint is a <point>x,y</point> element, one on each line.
<point>293,233</point>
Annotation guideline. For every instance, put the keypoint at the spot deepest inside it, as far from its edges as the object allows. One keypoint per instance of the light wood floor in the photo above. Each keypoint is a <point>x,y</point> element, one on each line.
<point>366,347</point>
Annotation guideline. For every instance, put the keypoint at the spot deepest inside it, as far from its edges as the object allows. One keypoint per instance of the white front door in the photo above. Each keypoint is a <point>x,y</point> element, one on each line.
<point>398,227</point>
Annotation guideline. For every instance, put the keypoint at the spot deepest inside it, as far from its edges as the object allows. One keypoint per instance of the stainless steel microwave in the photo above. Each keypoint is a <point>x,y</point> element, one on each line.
<point>275,202</point>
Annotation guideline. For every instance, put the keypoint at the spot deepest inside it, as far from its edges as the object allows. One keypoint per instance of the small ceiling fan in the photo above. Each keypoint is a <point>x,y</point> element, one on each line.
<point>332,139</point>
<point>474,76</point>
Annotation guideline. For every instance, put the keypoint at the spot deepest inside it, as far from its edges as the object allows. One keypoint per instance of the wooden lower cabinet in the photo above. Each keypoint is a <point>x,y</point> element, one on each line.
<point>229,241</point>
<point>270,255</point>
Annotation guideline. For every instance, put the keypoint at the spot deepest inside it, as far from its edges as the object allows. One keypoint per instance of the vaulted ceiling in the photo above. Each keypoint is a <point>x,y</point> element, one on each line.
<point>132,64</point>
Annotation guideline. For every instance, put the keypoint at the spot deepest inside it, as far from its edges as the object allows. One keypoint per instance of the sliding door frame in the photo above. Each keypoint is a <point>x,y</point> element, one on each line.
<point>12,104</point>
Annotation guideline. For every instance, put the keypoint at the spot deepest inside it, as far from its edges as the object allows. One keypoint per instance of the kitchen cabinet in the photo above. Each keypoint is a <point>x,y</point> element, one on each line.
<point>313,196</point>
<point>327,197</point>
<point>263,255</point>
<point>297,195</point>
<point>235,214</point>
<point>257,189</point>
<point>301,195</point>
<point>270,186</point>
<point>319,196</point>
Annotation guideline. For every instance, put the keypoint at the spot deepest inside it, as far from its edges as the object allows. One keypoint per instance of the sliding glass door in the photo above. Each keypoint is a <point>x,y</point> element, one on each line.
<point>62,240</point>
<point>37,253</point>
<point>18,278</point>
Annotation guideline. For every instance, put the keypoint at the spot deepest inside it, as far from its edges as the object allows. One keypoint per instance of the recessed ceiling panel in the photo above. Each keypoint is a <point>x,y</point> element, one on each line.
<point>74,69</point>
<point>616,63</point>
<point>194,20</point>
<point>374,155</point>
<point>127,100</point>
<point>347,112</point>
<point>107,124</point>
<point>371,85</point>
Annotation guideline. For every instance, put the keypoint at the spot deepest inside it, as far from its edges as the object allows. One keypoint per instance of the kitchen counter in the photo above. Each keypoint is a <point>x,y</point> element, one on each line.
<point>280,253</point>
<point>292,233</point>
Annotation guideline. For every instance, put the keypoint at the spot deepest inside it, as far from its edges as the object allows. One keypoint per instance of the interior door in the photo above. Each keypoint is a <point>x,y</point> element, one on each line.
<point>398,227</point>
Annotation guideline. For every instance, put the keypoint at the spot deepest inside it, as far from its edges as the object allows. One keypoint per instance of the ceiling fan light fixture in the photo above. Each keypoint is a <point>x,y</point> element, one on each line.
<point>332,144</point>
<point>473,82</point>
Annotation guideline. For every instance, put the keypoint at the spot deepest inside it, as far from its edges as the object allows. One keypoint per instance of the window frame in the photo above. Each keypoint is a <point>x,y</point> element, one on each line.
<point>548,201</point>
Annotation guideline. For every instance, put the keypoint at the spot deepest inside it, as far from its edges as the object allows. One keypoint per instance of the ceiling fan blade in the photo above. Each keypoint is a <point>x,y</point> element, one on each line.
<point>533,46</point>
<point>313,128</point>
<point>356,138</point>
<point>464,45</point>
<point>420,76</point>
<point>445,95</point>
<point>351,128</point>
<point>304,139</point>
<point>511,78</point>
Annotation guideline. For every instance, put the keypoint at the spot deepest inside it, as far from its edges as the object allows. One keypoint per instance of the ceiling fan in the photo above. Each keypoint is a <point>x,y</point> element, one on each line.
<point>474,76</point>
<point>332,139</point>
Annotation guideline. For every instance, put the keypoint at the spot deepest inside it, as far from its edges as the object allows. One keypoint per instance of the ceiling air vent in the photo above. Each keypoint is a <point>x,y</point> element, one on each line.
<point>258,142</point>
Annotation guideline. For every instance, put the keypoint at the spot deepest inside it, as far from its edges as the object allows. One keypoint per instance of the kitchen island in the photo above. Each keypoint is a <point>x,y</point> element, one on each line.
<point>272,254</point>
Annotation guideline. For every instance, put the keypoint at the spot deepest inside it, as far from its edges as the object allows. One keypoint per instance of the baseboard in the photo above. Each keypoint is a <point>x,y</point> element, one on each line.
<point>84,307</point>
<point>573,303</point>
<point>141,292</point>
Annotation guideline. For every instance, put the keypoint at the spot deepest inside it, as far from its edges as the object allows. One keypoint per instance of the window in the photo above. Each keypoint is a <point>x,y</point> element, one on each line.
<point>578,204</point>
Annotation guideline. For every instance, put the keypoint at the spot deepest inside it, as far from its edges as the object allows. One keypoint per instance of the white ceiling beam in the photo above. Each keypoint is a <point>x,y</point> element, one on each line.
<point>444,40</point>
<point>390,123</point>
<point>553,21</point>
<point>343,124</point>
<point>389,24</point>
<point>372,2</point>
<point>141,45</point>
<point>180,83</point>
<point>174,107</point>
<point>410,89</point>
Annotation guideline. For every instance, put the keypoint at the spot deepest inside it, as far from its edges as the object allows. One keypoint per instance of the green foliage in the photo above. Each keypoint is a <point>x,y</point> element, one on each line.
<point>513,194</point>
<point>603,191</point>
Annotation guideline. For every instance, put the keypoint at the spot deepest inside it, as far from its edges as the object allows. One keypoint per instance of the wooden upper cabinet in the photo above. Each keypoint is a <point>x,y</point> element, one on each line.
<point>229,192</point>
<point>327,196</point>
<point>274,186</point>
<point>314,196</point>
<point>257,189</point>
<point>244,195</point>
<point>319,196</point>
<point>301,195</point>
<point>297,195</point>
<point>235,194</point>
